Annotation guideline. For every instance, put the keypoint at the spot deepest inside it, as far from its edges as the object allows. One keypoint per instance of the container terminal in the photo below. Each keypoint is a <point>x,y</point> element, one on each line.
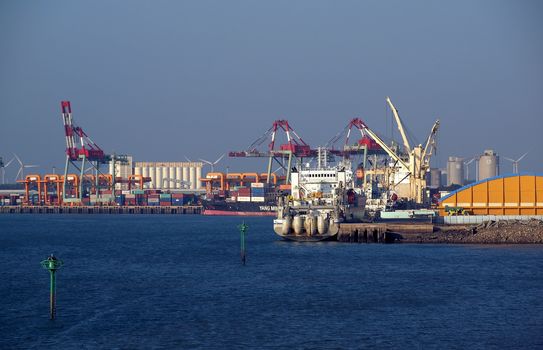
<point>396,178</point>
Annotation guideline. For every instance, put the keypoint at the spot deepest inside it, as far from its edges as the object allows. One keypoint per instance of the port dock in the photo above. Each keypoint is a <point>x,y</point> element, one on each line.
<point>54,209</point>
<point>383,232</point>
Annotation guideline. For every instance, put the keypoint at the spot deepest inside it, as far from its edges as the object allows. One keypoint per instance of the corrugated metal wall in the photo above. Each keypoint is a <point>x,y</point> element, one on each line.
<point>517,194</point>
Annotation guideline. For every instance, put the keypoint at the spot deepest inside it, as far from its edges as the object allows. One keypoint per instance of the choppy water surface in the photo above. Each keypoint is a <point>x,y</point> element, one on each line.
<point>176,282</point>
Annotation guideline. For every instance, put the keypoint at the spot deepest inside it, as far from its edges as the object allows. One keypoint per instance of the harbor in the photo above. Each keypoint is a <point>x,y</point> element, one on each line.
<point>105,209</point>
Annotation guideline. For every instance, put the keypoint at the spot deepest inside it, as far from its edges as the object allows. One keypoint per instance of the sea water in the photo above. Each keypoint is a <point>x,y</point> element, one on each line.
<point>176,282</point>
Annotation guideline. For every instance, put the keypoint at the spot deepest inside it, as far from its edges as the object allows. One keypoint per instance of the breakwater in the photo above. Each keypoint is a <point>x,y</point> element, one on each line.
<point>491,232</point>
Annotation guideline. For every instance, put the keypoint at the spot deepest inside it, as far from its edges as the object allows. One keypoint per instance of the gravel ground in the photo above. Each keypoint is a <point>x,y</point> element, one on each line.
<point>492,232</point>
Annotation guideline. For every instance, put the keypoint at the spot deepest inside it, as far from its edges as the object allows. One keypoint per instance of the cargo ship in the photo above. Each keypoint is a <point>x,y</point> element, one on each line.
<point>259,199</point>
<point>321,199</point>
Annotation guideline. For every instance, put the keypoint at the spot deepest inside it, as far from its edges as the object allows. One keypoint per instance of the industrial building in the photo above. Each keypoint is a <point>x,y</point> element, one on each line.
<point>171,175</point>
<point>513,194</point>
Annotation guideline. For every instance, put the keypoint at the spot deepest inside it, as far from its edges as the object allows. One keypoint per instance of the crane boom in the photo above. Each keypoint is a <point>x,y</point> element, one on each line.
<point>400,126</point>
<point>384,146</point>
<point>430,144</point>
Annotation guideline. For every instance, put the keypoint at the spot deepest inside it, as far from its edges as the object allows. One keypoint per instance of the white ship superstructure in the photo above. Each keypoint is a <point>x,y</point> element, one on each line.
<point>320,200</point>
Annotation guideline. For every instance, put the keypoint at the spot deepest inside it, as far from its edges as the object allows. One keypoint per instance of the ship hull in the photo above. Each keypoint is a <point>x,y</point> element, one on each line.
<point>212,212</point>
<point>223,208</point>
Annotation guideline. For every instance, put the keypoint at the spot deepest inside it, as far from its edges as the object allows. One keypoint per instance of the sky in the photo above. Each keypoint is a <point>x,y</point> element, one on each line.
<point>161,80</point>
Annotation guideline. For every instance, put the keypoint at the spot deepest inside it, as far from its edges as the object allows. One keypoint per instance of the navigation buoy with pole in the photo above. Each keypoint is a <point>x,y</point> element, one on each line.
<point>52,264</point>
<point>243,230</point>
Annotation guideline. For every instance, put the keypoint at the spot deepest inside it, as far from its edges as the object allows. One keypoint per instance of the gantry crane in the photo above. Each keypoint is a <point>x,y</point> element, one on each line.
<point>294,147</point>
<point>83,152</point>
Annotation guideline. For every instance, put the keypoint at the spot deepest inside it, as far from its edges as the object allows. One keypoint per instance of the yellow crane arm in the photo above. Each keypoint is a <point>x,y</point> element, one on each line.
<point>385,147</point>
<point>400,126</point>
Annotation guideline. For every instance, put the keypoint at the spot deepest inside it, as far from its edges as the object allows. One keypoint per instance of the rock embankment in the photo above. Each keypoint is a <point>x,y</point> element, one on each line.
<point>492,232</point>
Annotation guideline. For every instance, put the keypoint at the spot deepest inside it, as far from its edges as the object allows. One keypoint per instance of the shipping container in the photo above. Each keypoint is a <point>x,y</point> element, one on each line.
<point>257,185</point>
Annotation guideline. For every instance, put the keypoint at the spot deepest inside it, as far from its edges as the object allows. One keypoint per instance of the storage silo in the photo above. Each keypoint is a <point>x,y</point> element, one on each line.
<point>489,165</point>
<point>171,175</point>
<point>152,175</point>
<point>434,178</point>
<point>159,171</point>
<point>145,172</point>
<point>185,172</point>
<point>137,170</point>
<point>178,175</point>
<point>455,171</point>
<point>192,177</point>
<point>198,176</point>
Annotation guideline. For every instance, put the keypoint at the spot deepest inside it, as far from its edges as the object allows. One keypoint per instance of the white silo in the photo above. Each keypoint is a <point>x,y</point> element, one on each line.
<point>198,176</point>
<point>185,172</point>
<point>172,176</point>
<point>145,172</point>
<point>489,165</point>
<point>192,177</point>
<point>152,175</point>
<point>158,170</point>
<point>455,171</point>
<point>178,176</point>
<point>137,170</point>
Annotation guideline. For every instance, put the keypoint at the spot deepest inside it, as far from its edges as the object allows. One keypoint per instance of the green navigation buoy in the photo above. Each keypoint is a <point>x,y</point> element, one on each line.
<point>52,264</point>
<point>243,230</point>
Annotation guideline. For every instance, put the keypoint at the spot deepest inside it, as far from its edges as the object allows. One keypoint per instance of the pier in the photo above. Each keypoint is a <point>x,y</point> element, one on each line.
<point>54,209</point>
<point>384,232</point>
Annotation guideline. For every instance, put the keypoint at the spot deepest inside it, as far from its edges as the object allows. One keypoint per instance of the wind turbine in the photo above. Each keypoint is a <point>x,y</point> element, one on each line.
<point>3,168</point>
<point>22,168</point>
<point>467,163</point>
<point>515,162</point>
<point>212,164</point>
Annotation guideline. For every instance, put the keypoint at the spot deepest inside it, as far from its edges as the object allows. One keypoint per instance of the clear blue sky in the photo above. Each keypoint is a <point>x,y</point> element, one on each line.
<point>163,79</point>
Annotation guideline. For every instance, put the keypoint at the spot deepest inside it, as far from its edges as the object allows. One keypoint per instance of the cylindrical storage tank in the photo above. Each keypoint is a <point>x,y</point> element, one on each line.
<point>111,168</point>
<point>287,222</point>
<point>152,175</point>
<point>171,175</point>
<point>298,224</point>
<point>186,173</point>
<point>455,171</point>
<point>198,177</point>
<point>488,165</point>
<point>178,176</point>
<point>165,175</point>
<point>145,173</point>
<point>435,178</point>
<point>137,170</point>
<point>192,177</point>
<point>158,177</point>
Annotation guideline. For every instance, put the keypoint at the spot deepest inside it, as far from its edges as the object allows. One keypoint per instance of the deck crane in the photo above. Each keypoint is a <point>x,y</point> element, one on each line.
<point>415,162</point>
<point>430,146</point>
<point>80,150</point>
<point>295,146</point>
<point>406,144</point>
